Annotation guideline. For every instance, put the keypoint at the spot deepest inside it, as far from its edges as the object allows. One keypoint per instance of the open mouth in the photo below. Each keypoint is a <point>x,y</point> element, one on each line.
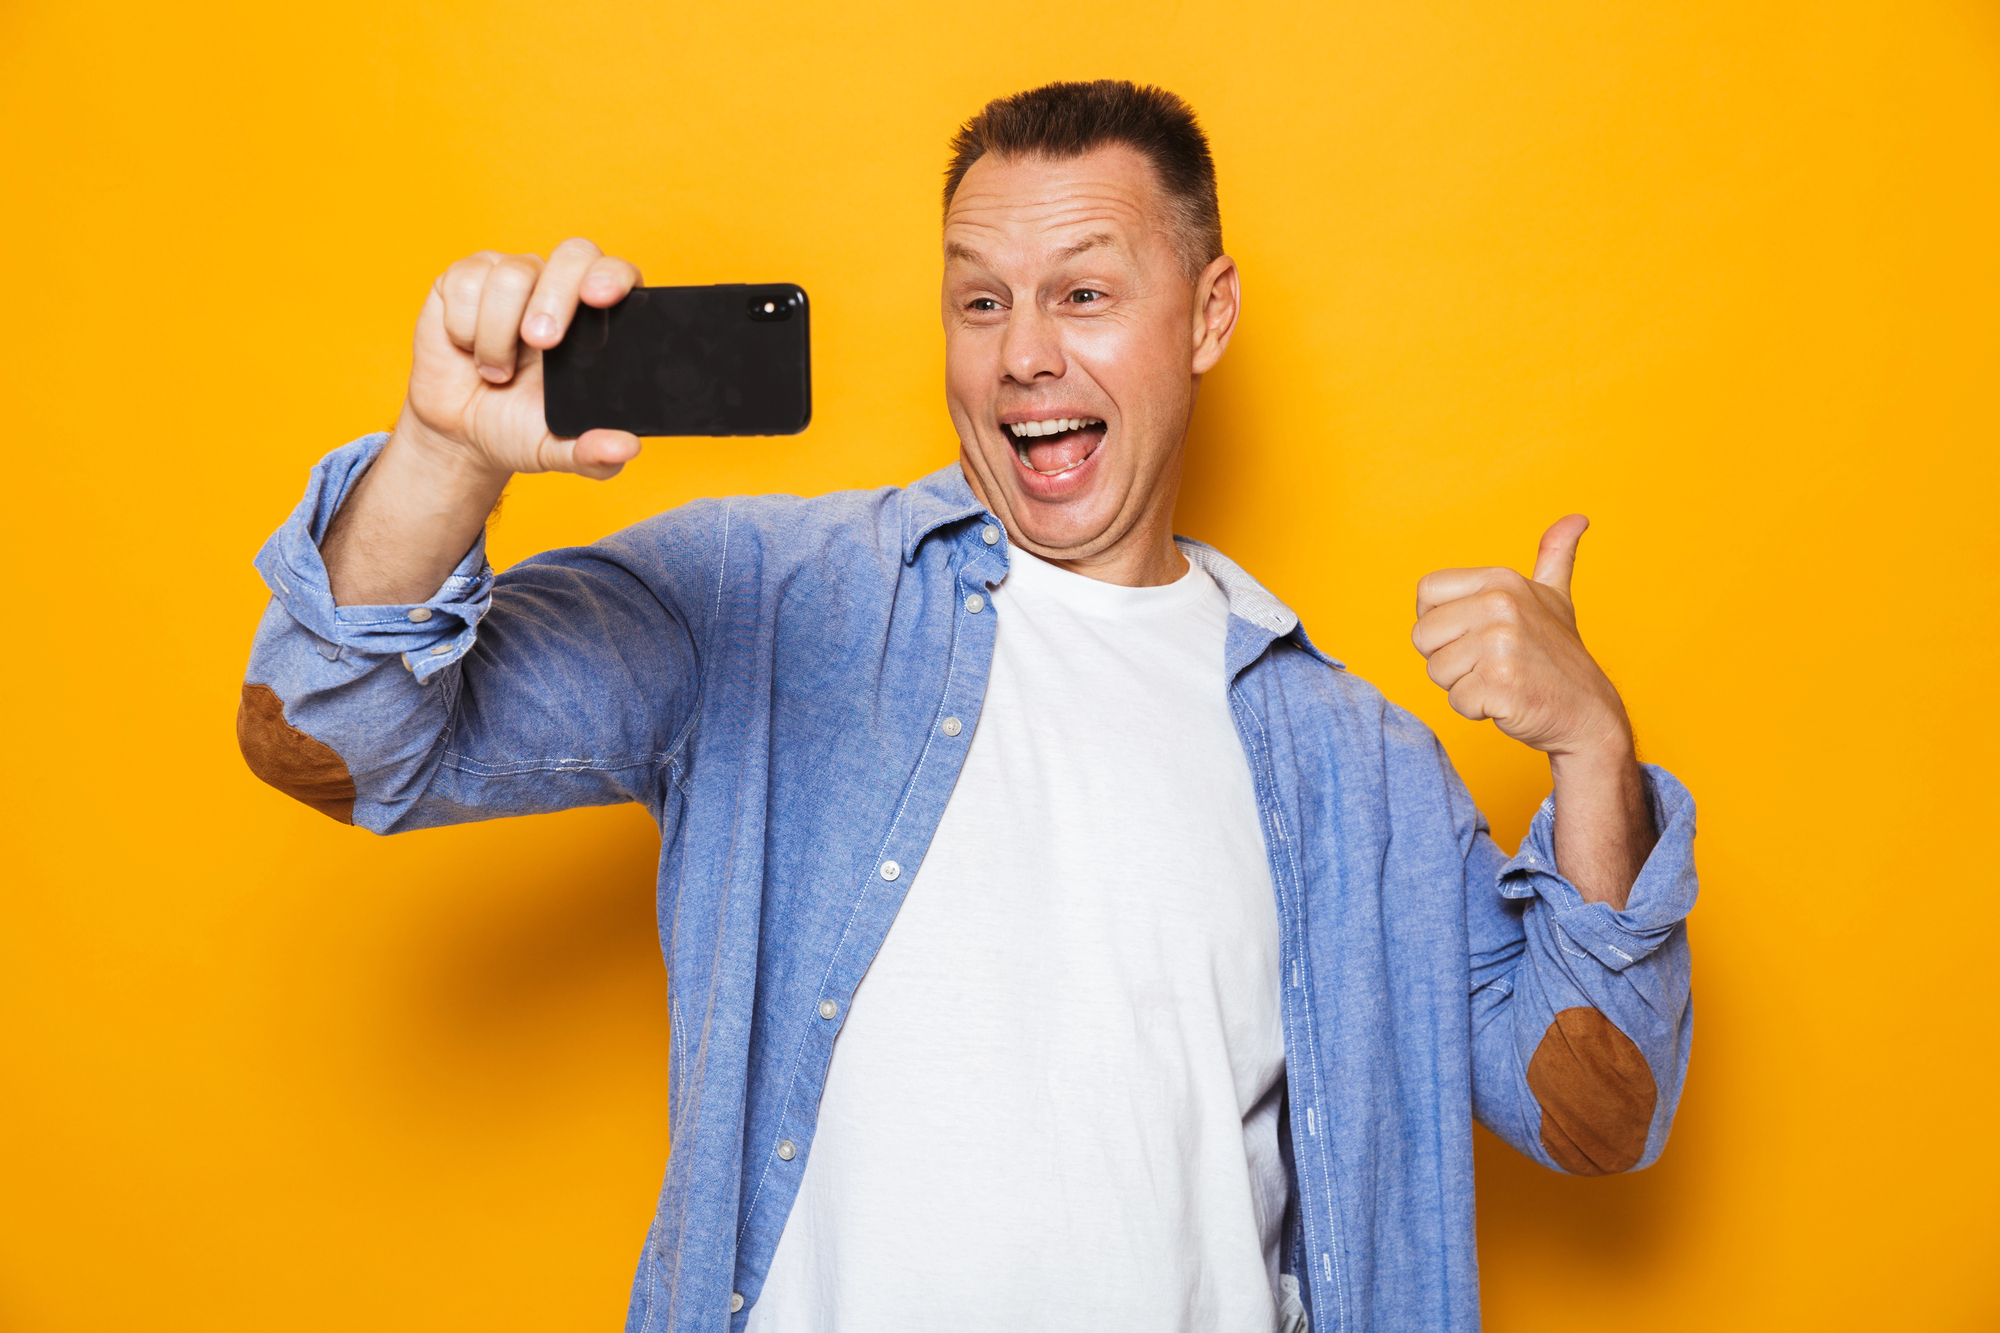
<point>1056,445</point>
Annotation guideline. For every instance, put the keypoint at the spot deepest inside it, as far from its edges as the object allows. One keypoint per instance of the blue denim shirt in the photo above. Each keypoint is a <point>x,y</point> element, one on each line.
<point>769,677</point>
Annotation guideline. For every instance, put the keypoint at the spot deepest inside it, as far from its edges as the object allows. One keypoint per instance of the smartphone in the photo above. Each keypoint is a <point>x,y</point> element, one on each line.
<point>732,359</point>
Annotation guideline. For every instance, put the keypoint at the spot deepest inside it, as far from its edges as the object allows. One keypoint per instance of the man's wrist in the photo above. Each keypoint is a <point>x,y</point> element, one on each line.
<point>409,520</point>
<point>447,472</point>
<point>1604,828</point>
<point>1610,757</point>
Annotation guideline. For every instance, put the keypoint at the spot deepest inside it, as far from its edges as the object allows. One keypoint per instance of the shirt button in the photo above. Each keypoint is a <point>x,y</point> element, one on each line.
<point>890,870</point>
<point>441,650</point>
<point>990,536</point>
<point>420,615</point>
<point>786,1152</point>
<point>952,726</point>
<point>827,1008</point>
<point>975,604</point>
<point>735,1301</point>
<point>406,663</point>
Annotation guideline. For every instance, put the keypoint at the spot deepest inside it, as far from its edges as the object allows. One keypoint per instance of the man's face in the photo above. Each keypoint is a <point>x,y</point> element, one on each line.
<point>1074,339</point>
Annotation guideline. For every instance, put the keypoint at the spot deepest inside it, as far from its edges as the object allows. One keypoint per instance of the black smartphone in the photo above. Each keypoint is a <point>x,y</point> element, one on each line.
<point>733,359</point>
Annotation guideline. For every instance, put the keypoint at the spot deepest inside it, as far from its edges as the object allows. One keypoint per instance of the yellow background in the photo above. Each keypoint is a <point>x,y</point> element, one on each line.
<point>1724,275</point>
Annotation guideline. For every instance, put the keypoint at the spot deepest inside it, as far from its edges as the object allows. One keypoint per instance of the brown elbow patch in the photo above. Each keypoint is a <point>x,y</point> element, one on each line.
<point>297,765</point>
<point>1596,1093</point>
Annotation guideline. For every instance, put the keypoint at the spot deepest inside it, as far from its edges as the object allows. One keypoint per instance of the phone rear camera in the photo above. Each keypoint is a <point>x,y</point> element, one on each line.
<point>770,307</point>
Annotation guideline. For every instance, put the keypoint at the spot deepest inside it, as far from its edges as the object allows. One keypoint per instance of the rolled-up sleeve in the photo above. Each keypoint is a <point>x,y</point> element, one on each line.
<point>1582,1014</point>
<point>428,636</point>
<point>559,684</point>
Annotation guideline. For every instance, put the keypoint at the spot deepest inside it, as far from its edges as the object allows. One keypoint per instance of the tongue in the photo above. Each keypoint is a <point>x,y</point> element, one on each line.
<point>1057,452</point>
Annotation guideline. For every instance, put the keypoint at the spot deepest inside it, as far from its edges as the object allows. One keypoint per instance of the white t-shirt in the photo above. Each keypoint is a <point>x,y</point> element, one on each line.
<point>1054,1103</point>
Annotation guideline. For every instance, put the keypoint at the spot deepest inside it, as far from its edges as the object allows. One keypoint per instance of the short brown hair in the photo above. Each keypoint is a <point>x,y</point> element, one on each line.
<point>1063,120</point>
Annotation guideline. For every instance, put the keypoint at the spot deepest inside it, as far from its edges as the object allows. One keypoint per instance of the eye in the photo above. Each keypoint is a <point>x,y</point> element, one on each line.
<point>1085,295</point>
<point>984,304</point>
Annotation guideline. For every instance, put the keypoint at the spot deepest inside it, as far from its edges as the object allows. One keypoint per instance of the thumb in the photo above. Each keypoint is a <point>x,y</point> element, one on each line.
<point>1556,559</point>
<point>598,454</point>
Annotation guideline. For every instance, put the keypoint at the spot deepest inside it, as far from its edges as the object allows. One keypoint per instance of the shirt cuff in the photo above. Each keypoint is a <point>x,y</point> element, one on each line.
<point>1660,899</point>
<point>429,635</point>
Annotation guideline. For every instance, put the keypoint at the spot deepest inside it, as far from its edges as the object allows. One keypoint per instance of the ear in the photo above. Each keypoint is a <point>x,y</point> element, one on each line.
<point>1218,299</point>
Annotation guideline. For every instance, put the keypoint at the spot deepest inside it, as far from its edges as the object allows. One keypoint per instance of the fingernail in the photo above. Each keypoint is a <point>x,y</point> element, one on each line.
<point>539,326</point>
<point>494,375</point>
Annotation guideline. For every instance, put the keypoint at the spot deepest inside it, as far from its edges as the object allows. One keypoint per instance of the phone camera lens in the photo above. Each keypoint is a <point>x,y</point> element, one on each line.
<point>770,307</point>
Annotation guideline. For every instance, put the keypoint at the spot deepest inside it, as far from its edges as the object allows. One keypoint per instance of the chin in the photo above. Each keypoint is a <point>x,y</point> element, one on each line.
<point>1065,529</point>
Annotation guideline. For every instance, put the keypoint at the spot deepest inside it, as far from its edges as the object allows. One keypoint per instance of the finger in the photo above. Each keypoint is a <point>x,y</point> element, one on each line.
<point>1450,664</point>
<point>603,453</point>
<point>496,343</point>
<point>595,453</point>
<point>1443,624</point>
<point>609,281</point>
<point>1468,697</point>
<point>1448,585</point>
<point>1494,604</point>
<point>554,301</point>
<point>1555,561</point>
<point>459,287</point>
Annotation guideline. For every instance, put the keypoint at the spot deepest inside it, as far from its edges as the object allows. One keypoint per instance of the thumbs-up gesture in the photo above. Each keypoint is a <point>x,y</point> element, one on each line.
<point>1506,648</point>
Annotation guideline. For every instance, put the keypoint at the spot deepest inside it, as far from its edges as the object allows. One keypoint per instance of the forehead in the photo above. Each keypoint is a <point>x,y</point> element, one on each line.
<point>1031,204</point>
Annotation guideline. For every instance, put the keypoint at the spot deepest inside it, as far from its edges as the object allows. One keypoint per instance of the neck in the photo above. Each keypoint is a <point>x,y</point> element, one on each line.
<point>1150,564</point>
<point>1142,555</point>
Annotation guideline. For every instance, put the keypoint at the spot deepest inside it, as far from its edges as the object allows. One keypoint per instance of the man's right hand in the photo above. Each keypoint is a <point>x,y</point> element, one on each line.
<point>472,419</point>
<point>476,382</point>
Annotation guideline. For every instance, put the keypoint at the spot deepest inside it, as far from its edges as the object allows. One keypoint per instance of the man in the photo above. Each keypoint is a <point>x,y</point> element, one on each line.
<point>1058,939</point>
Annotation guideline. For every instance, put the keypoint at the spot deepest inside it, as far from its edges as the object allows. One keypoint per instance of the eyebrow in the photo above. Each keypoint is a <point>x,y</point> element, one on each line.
<point>1090,242</point>
<point>957,250</point>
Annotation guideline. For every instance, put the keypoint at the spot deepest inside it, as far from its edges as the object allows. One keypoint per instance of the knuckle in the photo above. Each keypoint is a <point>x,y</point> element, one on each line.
<point>576,247</point>
<point>514,274</point>
<point>1500,604</point>
<point>464,278</point>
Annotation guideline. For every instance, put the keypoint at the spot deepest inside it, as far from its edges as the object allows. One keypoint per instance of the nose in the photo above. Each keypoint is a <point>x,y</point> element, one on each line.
<point>1031,349</point>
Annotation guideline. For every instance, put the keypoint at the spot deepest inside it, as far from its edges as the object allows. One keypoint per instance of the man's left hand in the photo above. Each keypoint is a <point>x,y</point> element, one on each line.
<point>1506,648</point>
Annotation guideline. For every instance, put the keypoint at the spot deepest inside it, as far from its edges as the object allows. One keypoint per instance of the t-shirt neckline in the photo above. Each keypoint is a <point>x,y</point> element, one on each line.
<point>1039,578</point>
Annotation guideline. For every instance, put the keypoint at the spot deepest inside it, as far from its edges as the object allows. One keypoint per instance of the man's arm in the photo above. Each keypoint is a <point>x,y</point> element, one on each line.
<point>1579,959</point>
<point>1507,648</point>
<point>394,682</point>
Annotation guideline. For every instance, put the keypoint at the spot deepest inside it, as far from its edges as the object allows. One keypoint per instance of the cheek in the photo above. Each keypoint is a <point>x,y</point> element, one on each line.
<point>1142,365</point>
<point>971,365</point>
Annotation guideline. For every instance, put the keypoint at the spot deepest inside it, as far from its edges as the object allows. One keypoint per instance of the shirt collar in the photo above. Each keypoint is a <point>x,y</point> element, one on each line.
<point>944,497</point>
<point>1263,616</point>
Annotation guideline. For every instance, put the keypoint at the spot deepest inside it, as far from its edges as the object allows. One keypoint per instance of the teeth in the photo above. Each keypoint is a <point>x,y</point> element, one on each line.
<point>1051,426</point>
